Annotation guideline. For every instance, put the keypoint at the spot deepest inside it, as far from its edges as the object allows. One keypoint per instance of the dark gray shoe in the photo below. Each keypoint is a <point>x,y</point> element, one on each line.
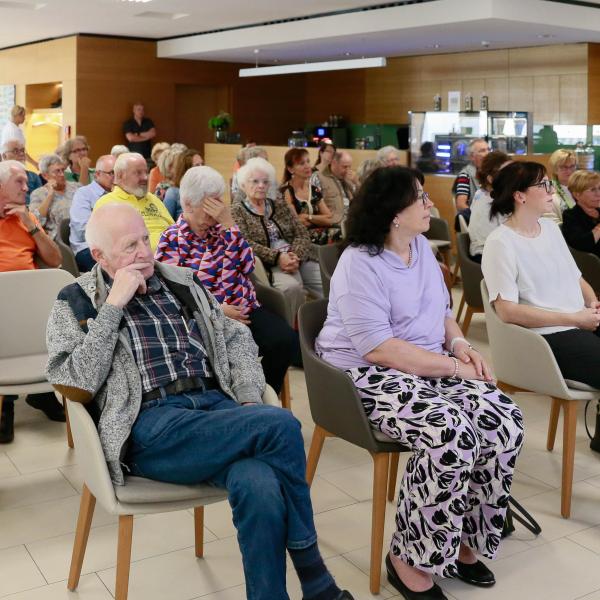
<point>345,595</point>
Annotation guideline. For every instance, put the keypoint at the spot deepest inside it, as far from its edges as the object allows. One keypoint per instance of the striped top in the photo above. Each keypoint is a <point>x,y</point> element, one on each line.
<point>223,260</point>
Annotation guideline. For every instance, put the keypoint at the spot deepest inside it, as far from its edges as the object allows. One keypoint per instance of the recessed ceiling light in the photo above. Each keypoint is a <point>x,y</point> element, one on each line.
<point>545,36</point>
<point>136,0</point>
<point>347,53</point>
<point>434,46</point>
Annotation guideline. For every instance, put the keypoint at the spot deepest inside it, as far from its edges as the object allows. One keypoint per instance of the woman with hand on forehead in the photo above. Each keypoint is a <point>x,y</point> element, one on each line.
<point>206,239</point>
<point>532,278</point>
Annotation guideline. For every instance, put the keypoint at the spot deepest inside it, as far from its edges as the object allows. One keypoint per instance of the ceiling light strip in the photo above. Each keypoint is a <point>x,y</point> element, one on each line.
<point>332,65</point>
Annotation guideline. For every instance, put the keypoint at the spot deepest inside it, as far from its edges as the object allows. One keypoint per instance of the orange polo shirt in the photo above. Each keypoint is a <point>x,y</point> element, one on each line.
<point>17,247</point>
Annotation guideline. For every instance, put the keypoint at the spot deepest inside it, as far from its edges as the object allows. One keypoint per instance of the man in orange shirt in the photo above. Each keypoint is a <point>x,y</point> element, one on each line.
<point>21,240</point>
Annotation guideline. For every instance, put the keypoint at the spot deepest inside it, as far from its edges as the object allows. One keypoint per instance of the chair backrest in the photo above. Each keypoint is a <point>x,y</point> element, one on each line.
<point>334,401</point>
<point>328,260</point>
<point>521,357</point>
<point>470,271</point>
<point>26,299</point>
<point>68,256</point>
<point>260,273</point>
<point>589,265</point>
<point>90,456</point>
<point>273,300</point>
<point>462,223</point>
<point>438,229</point>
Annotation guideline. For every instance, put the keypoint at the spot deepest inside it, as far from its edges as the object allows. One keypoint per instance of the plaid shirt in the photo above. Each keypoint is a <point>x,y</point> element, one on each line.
<point>165,345</point>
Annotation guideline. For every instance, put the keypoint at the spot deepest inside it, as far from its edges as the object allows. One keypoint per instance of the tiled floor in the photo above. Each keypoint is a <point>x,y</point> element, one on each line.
<point>39,496</point>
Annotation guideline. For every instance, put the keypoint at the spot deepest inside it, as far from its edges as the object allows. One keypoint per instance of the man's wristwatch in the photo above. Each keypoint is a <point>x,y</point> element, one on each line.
<point>33,231</point>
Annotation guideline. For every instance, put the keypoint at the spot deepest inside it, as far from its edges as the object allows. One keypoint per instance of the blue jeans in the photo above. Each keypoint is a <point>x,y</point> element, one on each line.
<point>256,452</point>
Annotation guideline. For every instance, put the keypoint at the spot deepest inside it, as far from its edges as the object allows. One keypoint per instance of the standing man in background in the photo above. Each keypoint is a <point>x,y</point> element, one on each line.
<point>139,132</point>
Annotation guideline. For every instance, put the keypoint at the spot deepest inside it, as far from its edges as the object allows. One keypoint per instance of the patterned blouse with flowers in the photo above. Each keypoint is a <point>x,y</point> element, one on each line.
<point>223,260</point>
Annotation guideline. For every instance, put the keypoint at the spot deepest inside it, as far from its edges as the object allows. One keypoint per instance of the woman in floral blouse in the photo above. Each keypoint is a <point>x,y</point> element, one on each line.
<point>206,239</point>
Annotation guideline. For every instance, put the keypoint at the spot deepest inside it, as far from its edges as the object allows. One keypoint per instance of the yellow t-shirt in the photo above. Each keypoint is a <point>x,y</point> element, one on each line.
<point>156,216</point>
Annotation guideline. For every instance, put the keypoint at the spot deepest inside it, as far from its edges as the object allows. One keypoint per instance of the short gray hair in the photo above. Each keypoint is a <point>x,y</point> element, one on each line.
<point>366,167</point>
<point>6,167</point>
<point>123,159</point>
<point>118,149</point>
<point>6,143</point>
<point>252,152</point>
<point>47,160</point>
<point>252,166</point>
<point>473,142</point>
<point>199,183</point>
<point>167,158</point>
<point>382,153</point>
<point>96,234</point>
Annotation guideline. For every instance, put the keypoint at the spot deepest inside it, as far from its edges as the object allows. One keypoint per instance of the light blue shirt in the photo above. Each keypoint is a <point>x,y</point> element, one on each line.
<point>81,209</point>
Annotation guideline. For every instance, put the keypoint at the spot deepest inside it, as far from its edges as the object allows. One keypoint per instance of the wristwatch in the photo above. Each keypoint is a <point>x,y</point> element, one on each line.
<point>33,231</point>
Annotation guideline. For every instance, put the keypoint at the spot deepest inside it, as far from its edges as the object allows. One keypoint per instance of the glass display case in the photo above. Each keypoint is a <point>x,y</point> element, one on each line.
<point>449,135</point>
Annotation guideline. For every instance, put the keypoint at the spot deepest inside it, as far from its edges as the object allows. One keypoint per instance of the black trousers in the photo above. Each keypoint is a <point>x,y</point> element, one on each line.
<point>577,353</point>
<point>277,343</point>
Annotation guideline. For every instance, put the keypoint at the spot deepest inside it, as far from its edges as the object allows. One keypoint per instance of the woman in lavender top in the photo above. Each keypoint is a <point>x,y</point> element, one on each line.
<point>390,328</point>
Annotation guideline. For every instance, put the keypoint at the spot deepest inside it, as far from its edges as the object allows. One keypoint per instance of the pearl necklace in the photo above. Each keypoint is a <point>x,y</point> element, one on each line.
<point>409,256</point>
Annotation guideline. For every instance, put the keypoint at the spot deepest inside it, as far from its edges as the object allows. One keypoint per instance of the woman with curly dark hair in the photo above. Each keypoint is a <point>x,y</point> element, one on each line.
<point>390,328</point>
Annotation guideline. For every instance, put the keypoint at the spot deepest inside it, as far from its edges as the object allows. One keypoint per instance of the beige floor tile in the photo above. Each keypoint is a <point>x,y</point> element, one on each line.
<point>593,596</point>
<point>90,588</point>
<point>181,576</point>
<point>18,571</point>
<point>561,570</point>
<point>326,496</point>
<point>235,593</point>
<point>152,535</point>
<point>524,486</point>
<point>38,458</point>
<point>24,490</point>
<point>338,454</point>
<point>588,538</point>
<point>7,469</point>
<point>36,432</point>
<point>218,519</point>
<point>41,521</point>
<point>545,508</point>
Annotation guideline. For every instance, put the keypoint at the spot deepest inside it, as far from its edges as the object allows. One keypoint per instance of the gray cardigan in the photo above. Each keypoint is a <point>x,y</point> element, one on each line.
<point>96,363</point>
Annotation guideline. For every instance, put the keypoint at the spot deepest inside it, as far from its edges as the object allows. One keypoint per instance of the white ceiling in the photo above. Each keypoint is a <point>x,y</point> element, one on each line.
<point>418,28</point>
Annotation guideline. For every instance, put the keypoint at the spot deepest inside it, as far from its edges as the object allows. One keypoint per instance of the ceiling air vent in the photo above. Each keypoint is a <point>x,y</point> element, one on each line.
<point>163,16</point>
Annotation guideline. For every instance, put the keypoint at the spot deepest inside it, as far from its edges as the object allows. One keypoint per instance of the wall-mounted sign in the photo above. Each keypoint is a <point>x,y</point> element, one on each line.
<point>454,101</point>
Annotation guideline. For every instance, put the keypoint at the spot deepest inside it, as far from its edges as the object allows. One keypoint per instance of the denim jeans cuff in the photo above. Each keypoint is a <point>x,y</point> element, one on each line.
<point>300,545</point>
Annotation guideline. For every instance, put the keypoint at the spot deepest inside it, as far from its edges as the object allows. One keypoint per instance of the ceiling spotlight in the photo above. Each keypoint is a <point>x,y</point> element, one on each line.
<point>485,44</point>
<point>347,53</point>
<point>545,36</point>
<point>433,46</point>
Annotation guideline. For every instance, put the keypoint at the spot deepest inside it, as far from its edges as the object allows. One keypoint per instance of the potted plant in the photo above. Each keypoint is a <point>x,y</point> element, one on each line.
<point>221,124</point>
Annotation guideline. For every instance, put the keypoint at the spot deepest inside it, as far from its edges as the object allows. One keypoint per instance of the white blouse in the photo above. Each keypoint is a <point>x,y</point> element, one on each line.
<point>480,224</point>
<point>536,271</point>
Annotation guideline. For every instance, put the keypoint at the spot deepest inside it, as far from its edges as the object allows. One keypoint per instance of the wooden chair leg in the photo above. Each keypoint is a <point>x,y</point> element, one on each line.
<point>445,254</point>
<point>285,395</point>
<point>69,434</point>
<point>199,530</point>
<point>394,462</point>
<point>553,424</point>
<point>460,307</point>
<point>380,477</point>
<point>123,556</point>
<point>467,321</point>
<point>318,438</point>
<point>569,434</point>
<point>84,522</point>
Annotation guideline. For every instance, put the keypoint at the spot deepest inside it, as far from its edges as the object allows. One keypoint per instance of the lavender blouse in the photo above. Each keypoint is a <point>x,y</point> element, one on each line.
<point>375,298</point>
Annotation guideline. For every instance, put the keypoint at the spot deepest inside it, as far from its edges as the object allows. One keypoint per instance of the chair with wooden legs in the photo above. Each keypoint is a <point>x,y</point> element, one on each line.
<point>589,265</point>
<point>328,259</point>
<point>138,496</point>
<point>337,411</point>
<point>471,279</point>
<point>69,263</point>
<point>439,239</point>
<point>26,299</point>
<point>523,361</point>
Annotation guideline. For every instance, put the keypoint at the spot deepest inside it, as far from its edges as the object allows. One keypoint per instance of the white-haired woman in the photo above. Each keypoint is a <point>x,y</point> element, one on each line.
<point>51,203</point>
<point>389,156</point>
<point>206,239</point>
<point>276,235</point>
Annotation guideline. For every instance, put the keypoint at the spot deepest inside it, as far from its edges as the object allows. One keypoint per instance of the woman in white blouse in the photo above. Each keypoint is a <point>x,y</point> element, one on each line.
<point>532,278</point>
<point>480,224</point>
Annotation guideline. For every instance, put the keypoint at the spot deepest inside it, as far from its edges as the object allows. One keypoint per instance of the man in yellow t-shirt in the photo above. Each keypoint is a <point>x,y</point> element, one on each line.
<point>131,187</point>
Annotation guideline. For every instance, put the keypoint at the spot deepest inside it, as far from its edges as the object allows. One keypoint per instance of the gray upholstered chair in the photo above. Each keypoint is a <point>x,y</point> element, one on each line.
<point>523,361</point>
<point>471,279</point>
<point>589,265</point>
<point>337,411</point>
<point>438,235</point>
<point>137,497</point>
<point>328,259</point>
<point>26,299</point>
<point>68,257</point>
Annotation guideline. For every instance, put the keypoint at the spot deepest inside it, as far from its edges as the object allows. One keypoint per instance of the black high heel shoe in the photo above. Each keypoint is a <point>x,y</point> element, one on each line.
<point>433,593</point>
<point>475,574</point>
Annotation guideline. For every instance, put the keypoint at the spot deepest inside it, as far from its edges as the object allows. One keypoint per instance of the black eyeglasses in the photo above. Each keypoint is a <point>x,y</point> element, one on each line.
<point>547,184</point>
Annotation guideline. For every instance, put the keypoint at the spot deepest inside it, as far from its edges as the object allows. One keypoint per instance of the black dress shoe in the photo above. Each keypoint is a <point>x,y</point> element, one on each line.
<point>48,404</point>
<point>345,595</point>
<point>475,574</point>
<point>433,593</point>
<point>7,432</point>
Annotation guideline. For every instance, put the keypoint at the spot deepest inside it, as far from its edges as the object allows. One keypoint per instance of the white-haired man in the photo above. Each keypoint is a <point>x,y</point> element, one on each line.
<point>84,200</point>
<point>336,186</point>
<point>185,398</point>
<point>22,239</point>
<point>14,149</point>
<point>466,183</point>
<point>131,187</point>
<point>389,156</point>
